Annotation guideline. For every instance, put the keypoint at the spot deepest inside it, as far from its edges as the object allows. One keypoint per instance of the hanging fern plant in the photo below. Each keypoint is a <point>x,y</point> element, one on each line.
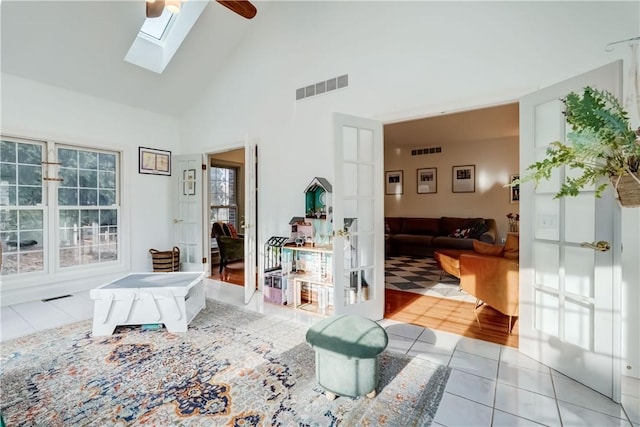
<point>600,145</point>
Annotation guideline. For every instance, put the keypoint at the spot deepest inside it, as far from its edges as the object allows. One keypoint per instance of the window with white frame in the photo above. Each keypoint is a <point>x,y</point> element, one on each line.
<point>223,194</point>
<point>61,194</point>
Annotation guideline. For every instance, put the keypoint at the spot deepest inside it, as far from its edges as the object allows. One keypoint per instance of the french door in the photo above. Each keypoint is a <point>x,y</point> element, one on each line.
<point>567,287</point>
<point>358,217</point>
<point>250,219</point>
<point>188,220</point>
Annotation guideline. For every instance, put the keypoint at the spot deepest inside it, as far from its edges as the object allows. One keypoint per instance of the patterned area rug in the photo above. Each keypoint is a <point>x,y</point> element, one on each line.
<point>232,368</point>
<point>422,276</point>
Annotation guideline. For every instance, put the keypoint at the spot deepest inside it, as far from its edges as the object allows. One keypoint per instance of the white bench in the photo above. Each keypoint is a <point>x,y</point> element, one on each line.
<point>173,299</point>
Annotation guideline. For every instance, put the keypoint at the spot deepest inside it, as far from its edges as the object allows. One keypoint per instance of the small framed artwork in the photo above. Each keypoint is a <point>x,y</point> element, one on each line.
<point>152,161</point>
<point>514,192</point>
<point>189,184</point>
<point>393,181</point>
<point>464,179</point>
<point>427,181</point>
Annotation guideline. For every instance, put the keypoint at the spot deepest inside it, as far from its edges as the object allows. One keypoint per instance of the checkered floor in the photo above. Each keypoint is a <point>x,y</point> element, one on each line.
<point>422,276</point>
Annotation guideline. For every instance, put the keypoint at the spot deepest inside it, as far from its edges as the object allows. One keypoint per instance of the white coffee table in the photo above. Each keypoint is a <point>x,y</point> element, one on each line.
<point>148,298</point>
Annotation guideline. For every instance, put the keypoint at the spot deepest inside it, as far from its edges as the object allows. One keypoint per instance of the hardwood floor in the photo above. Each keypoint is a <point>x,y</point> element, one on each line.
<point>431,312</point>
<point>233,273</point>
<point>450,316</point>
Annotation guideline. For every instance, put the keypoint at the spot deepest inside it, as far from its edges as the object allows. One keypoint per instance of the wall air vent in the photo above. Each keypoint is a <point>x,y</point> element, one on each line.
<point>322,87</point>
<point>429,150</point>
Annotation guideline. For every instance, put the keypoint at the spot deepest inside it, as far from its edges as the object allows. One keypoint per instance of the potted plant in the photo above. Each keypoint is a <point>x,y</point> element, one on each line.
<point>600,145</point>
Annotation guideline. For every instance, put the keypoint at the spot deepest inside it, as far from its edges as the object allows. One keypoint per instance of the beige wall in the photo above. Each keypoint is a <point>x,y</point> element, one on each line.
<point>495,160</point>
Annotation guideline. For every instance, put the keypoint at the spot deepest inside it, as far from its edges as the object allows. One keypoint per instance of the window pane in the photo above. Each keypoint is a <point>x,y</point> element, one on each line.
<point>29,196</point>
<point>8,173</point>
<point>107,180</point>
<point>22,226</point>
<point>88,197</point>
<point>106,197</point>
<point>68,158</point>
<point>88,178</point>
<point>88,160</point>
<point>69,177</point>
<point>88,236</point>
<point>223,193</point>
<point>30,154</point>
<point>8,151</point>
<point>107,162</point>
<point>67,197</point>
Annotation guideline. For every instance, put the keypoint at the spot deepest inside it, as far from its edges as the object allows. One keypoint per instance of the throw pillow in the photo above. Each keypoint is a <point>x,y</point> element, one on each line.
<point>478,229</point>
<point>483,248</point>
<point>232,230</point>
<point>461,233</point>
<point>512,246</point>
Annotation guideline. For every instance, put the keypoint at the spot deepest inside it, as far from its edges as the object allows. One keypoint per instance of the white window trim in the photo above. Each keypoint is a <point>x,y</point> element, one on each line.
<point>54,281</point>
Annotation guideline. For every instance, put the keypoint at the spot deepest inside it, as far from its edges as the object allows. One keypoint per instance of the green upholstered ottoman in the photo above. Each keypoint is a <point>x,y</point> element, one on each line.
<point>347,349</point>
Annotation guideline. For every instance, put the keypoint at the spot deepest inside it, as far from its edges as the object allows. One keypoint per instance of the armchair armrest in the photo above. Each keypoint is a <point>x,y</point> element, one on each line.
<point>494,280</point>
<point>491,234</point>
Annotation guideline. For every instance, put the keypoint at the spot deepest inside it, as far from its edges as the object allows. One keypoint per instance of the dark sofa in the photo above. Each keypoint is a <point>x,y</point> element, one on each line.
<point>423,236</point>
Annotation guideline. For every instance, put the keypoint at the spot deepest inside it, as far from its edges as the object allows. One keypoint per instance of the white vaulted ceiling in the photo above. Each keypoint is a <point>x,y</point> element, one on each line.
<point>81,45</point>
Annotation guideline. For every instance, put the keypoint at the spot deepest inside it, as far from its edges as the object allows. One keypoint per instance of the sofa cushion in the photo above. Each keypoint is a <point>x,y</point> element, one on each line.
<point>393,225</point>
<point>512,246</point>
<point>411,239</point>
<point>487,249</point>
<point>420,226</point>
<point>446,242</point>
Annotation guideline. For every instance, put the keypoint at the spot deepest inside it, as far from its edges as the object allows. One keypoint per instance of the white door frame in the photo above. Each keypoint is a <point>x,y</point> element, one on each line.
<point>248,290</point>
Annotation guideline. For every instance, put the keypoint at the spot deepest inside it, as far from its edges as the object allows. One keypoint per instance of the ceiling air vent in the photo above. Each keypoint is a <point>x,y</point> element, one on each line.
<point>429,150</point>
<point>322,87</point>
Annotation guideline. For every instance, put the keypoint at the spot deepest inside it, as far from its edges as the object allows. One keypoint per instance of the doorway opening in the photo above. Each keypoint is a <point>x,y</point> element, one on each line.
<point>486,140</point>
<point>226,213</point>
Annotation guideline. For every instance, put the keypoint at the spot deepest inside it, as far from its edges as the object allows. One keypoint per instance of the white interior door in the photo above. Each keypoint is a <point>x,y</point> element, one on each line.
<point>250,229</point>
<point>567,317</point>
<point>186,171</point>
<point>358,217</point>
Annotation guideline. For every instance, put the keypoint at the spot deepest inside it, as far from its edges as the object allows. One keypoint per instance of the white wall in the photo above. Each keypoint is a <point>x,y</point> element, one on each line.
<point>404,60</point>
<point>34,110</point>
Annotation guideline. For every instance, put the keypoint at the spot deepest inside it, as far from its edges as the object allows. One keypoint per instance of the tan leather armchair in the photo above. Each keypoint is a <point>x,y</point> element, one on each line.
<point>493,280</point>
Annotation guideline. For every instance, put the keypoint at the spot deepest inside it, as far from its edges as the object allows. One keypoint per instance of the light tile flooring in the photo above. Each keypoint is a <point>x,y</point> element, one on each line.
<point>489,384</point>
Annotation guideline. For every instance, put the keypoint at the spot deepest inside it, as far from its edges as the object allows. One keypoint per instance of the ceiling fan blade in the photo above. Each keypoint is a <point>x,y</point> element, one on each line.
<point>154,9</point>
<point>243,8</point>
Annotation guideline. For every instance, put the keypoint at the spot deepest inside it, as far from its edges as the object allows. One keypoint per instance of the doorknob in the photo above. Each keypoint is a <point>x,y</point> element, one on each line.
<point>175,220</point>
<point>341,233</point>
<point>601,246</point>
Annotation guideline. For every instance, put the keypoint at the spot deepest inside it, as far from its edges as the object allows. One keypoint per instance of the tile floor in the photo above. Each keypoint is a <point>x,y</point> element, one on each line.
<point>490,385</point>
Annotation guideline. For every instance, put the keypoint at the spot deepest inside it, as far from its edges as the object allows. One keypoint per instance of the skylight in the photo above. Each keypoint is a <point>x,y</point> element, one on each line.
<point>156,27</point>
<point>159,38</point>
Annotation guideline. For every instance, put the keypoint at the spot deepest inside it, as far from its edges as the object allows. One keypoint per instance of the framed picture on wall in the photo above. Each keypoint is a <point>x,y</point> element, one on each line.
<point>427,181</point>
<point>393,182</point>
<point>464,179</point>
<point>514,192</point>
<point>152,161</point>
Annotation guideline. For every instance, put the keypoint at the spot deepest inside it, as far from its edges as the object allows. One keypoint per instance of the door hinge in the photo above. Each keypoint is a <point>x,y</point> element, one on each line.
<point>204,167</point>
<point>204,260</point>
